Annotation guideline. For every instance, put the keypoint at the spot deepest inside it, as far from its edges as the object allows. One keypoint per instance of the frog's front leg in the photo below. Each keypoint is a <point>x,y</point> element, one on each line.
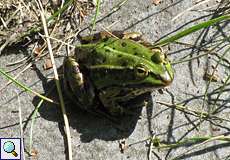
<point>78,88</point>
<point>110,99</point>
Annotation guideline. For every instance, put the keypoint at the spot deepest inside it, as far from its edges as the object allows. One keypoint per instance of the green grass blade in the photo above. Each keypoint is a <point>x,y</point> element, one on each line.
<point>191,30</point>
<point>24,87</point>
<point>33,117</point>
<point>61,10</point>
<point>32,125</point>
<point>96,15</point>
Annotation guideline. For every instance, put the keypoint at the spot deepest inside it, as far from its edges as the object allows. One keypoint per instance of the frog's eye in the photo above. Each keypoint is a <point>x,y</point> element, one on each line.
<point>141,71</point>
<point>158,57</point>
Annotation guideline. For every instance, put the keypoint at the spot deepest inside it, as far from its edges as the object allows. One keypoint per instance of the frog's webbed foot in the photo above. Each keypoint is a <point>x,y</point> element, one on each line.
<point>116,110</point>
<point>76,85</point>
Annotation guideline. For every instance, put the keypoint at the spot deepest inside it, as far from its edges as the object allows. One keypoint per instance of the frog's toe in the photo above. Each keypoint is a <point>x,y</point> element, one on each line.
<point>119,111</point>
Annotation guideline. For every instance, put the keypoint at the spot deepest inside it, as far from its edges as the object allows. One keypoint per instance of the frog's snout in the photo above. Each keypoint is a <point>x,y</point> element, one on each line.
<point>167,77</point>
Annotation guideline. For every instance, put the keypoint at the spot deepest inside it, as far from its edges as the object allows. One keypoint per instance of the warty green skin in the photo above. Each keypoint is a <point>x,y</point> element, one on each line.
<point>113,71</point>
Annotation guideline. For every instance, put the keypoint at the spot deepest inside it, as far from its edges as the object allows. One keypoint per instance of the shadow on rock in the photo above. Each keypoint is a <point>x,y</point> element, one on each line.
<point>90,126</point>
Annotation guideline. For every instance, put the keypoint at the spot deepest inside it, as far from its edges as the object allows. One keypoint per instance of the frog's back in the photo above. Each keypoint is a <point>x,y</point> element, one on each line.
<point>113,52</point>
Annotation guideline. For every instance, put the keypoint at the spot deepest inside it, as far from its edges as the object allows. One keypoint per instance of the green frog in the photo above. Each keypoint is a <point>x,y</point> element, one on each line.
<point>111,68</point>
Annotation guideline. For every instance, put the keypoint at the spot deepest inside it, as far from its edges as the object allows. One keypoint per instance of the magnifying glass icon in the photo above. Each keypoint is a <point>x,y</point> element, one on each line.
<point>9,147</point>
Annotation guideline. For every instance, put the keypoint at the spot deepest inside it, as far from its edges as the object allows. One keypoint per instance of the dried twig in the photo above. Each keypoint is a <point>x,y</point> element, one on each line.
<point>56,79</point>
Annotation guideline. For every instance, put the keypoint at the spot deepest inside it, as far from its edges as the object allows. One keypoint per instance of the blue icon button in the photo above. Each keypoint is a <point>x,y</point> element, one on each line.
<point>9,147</point>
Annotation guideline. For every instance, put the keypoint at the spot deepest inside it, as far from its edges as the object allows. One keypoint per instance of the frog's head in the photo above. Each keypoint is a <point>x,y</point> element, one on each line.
<point>157,72</point>
<point>133,65</point>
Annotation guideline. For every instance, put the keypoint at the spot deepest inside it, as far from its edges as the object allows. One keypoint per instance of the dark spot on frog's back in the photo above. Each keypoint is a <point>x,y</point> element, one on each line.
<point>107,50</point>
<point>96,59</point>
<point>123,44</point>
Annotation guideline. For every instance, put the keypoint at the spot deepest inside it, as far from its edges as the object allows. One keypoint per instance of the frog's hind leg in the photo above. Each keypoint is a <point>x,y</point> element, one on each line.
<point>110,99</point>
<point>76,85</point>
<point>136,36</point>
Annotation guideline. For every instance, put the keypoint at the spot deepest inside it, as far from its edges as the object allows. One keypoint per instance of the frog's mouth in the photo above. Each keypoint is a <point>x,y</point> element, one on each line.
<point>139,89</point>
<point>144,87</point>
<point>131,91</point>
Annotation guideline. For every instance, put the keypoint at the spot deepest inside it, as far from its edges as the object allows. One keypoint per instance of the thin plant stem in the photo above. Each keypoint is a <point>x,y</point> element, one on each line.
<point>24,87</point>
<point>56,79</point>
<point>96,15</point>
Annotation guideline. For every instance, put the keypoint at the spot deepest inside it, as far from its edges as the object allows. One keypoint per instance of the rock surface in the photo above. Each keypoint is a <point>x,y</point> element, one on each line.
<point>96,138</point>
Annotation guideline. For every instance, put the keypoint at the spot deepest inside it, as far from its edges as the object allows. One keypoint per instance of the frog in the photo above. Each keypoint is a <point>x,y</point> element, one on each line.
<point>109,69</point>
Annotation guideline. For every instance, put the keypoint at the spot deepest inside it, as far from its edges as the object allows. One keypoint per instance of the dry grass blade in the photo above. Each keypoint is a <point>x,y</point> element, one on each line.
<point>150,148</point>
<point>200,114</point>
<point>8,41</point>
<point>118,6</point>
<point>206,140</point>
<point>21,128</point>
<point>184,12</point>
<point>56,78</point>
